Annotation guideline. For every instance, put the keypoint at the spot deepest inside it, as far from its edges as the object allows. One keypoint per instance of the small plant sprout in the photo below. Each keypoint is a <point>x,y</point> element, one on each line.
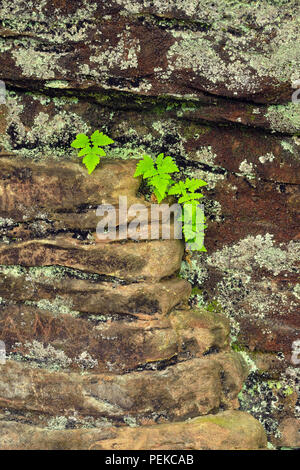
<point>91,148</point>
<point>157,174</point>
<point>186,190</point>
<point>189,199</point>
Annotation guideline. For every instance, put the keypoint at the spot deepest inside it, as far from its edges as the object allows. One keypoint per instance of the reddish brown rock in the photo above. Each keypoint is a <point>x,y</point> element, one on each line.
<point>120,52</point>
<point>228,430</point>
<point>117,347</point>
<point>109,346</point>
<point>201,331</point>
<point>16,436</point>
<point>99,67</point>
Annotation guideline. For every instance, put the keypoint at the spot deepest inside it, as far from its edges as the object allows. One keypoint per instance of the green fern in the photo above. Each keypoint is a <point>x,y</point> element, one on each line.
<point>157,174</point>
<point>91,148</point>
<point>185,191</point>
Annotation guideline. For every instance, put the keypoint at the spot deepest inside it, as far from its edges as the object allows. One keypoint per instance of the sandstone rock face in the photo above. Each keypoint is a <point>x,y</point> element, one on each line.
<point>101,335</point>
<point>211,85</point>
<point>150,261</point>
<point>234,430</point>
<point>133,395</point>
<point>290,433</point>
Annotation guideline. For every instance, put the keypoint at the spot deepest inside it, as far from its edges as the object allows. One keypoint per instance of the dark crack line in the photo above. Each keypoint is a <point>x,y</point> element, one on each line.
<point>133,105</point>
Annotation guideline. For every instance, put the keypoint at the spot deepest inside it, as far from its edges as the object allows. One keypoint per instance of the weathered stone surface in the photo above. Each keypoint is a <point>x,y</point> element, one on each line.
<point>228,430</point>
<point>64,199</point>
<point>56,290</point>
<point>68,342</point>
<point>133,261</point>
<point>260,275</point>
<point>24,183</point>
<point>16,436</point>
<point>272,397</point>
<point>136,394</point>
<point>116,46</point>
<point>179,128</point>
<point>209,84</point>
<point>290,433</point>
<point>58,340</point>
<point>201,331</point>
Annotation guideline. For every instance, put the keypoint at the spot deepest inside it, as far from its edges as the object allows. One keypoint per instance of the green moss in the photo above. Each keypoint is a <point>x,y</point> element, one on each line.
<point>219,420</point>
<point>214,306</point>
<point>195,131</point>
<point>196,291</point>
<point>235,346</point>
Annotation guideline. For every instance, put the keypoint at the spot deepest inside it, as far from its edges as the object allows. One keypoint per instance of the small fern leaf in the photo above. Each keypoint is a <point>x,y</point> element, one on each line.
<point>188,198</point>
<point>91,160</point>
<point>166,165</point>
<point>145,167</point>
<point>98,138</point>
<point>194,184</point>
<point>81,141</point>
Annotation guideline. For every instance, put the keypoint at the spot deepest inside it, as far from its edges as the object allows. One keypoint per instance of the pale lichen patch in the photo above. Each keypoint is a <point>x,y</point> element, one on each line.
<point>246,169</point>
<point>269,157</point>
<point>262,251</point>
<point>284,118</point>
<point>205,155</point>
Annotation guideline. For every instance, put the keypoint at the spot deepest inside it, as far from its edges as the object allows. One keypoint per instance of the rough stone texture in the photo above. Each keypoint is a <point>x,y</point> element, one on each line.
<point>106,346</point>
<point>211,383</point>
<point>209,83</point>
<point>101,334</point>
<point>133,261</point>
<point>290,433</point>
<point>227,430</point>
<point>234,430</point>
<point>153,48</point>
<point>54,290</point>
